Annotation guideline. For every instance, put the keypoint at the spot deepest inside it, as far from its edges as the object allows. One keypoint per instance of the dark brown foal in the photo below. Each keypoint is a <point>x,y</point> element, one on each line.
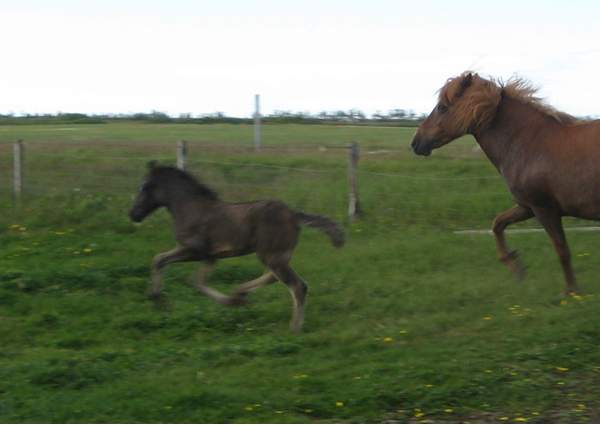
<point>208,229</point>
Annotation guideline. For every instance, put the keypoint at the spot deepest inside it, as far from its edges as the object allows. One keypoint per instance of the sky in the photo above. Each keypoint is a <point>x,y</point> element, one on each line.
<point>200,57</point>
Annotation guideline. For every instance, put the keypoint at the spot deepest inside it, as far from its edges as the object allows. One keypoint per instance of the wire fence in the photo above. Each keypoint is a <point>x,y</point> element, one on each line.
<point>311,178</point>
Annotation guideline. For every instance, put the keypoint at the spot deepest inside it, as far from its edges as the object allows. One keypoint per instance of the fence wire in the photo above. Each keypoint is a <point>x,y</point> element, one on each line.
<point>310,178</point>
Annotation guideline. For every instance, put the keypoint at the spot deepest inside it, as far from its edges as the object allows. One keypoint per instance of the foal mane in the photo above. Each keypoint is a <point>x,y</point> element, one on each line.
<point>184,179</point>
<point>476,99</point>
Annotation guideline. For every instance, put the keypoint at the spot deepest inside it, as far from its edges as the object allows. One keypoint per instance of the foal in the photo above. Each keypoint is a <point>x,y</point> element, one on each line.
<point>549,160</point>
<point>208,229</point>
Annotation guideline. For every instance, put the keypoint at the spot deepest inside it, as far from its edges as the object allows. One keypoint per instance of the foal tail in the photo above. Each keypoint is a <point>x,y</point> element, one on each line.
<point>324,224</point>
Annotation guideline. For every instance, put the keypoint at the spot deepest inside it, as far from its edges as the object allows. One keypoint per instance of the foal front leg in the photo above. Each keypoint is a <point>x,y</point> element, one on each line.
<point>160,261</point>
<point>252,285</point>
<point>202,287</point>
<point>502,220</point>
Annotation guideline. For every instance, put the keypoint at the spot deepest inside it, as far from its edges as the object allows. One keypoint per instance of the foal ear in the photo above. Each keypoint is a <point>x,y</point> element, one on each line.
<point>152,164</point>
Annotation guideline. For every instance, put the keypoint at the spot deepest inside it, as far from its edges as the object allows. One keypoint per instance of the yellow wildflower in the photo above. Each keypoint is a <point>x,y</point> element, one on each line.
<point>87,250</point>
<point>388,339</point>
<point>520,419</point>
<point>339,404</point>
<point>301,376</point>
<point>562,369</point>
<point>487,317</point>
<point>448,410</point>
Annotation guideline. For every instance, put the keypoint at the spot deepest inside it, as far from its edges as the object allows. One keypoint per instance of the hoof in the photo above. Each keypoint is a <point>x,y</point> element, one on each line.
<point>296,328</point>
<point>236,300</point>
<point>152,295</point>
<point>511,260</point>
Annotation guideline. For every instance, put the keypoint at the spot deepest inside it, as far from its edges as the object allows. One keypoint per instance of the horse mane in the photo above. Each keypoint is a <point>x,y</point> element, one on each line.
<point>476,99</point>
<point>524,91</point>
<point>184,179</point>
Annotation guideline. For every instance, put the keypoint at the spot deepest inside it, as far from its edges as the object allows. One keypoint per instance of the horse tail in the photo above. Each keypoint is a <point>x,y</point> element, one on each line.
<point>324,224</point>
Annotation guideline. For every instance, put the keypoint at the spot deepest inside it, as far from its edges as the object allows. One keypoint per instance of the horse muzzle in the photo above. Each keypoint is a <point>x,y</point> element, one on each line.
<point>136,216</point>
<point>420,146</point>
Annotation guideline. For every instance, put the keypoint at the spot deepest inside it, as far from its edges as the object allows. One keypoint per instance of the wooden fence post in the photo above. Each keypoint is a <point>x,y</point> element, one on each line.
<point>354,209</point>
<point>18,154</point>
<point>181,154</point>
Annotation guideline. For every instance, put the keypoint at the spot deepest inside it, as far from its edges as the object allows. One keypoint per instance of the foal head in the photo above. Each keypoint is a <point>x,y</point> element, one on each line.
<point>151,195</point>
<point>466,103</point>
<point>163,186</point>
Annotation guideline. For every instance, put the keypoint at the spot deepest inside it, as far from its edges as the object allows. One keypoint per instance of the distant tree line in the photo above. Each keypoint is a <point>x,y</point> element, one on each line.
<point>399,117</point>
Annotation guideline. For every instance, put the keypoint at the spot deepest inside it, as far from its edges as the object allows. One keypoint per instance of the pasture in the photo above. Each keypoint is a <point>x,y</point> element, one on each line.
<point>409,322</point>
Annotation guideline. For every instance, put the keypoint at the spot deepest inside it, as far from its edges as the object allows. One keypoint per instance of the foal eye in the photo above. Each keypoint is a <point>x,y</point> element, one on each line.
<point>442,108</point>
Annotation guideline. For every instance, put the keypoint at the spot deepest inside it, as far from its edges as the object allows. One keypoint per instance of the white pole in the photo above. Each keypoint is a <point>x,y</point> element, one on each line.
<point>257,134</point>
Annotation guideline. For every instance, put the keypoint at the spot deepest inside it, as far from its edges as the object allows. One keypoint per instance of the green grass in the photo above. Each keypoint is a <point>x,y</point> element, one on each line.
<point>409,322</point>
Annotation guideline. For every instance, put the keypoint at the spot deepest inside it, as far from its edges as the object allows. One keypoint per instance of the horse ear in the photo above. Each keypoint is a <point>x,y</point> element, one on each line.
<point>467,80</point>
<point>152,164</point>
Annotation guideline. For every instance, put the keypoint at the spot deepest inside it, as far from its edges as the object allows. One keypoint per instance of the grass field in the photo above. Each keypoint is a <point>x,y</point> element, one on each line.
<point>407,323</point>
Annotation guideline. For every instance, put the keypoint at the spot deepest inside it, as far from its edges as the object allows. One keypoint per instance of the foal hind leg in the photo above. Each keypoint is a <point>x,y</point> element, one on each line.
<point>552,223</point>
<point>160,261</point>
<point>298,289</point>
<point>502,220</point>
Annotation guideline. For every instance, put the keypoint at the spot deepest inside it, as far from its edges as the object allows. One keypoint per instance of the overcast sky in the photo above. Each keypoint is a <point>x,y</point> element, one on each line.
<point>181,56</point>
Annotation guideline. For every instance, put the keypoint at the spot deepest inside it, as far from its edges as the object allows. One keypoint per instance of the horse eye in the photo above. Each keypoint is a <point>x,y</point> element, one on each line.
<point>442,108</point>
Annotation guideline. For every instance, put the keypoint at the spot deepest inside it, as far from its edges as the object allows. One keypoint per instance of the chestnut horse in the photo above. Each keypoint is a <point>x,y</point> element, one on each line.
<point>549,159</point>
<point>208,229</point>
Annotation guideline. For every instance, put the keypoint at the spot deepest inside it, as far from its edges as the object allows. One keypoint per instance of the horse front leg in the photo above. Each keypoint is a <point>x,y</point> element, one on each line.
<point>159,261</point>
<point>510,258</point>
<point>552,222</point>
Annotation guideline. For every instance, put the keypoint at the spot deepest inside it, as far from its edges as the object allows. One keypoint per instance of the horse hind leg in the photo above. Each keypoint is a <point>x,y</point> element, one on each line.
<point>503,220</point>
<point>298,289</point>
<point>552,223</point>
